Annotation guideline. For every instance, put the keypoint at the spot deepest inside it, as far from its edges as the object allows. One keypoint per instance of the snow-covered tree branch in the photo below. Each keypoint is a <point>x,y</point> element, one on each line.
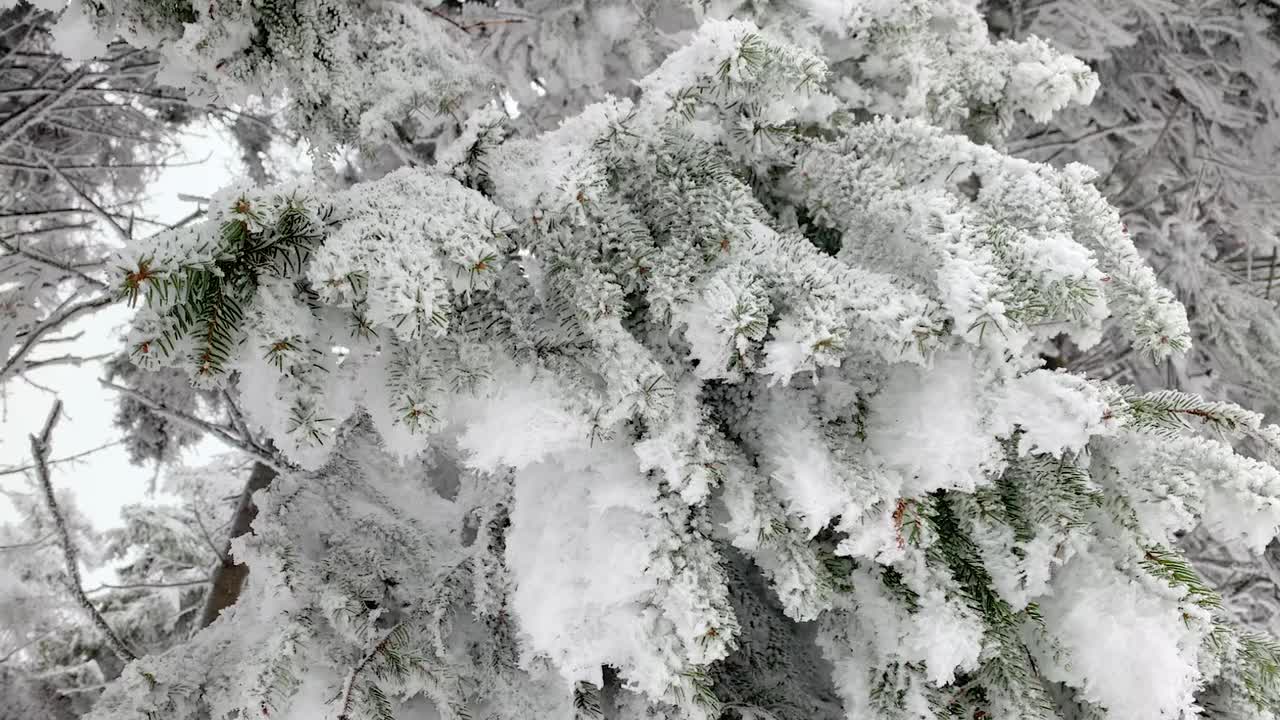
<point>716,394</point>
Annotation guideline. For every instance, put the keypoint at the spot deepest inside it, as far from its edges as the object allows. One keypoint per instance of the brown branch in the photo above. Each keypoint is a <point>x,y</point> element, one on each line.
<point>68,359</point>
<point>40,454</point>
<point>227,579</point>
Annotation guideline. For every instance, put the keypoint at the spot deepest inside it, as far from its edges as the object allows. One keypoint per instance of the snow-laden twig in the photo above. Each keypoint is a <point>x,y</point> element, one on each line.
<point>98,210</point>
<point>69,458</point>
<point>138,586</point>
<point>54,321</point>
<point>204,426</point>
<point>349,687</point>
<point>40,454</point>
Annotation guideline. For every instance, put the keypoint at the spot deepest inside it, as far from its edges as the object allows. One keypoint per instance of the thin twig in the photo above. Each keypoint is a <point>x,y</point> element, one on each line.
<point>1136,207</point>
<point>43,259</point>
<point>29,544</point>
<point>204,426</point>
<point>208,538</point>
<point>468,27</point>
<point>1151,152</point>
<point>40,454</point>
<point>69,458</point>
<point>55,320</point>
<point>68,359</point>
<point>236,417</point>
<point>9,655</point>
<point>136,586</point>
<point>1092,135</point>
<point>97,209</point>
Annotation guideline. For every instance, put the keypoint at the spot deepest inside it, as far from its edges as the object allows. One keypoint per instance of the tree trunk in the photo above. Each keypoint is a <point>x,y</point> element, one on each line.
<point>228,576</point>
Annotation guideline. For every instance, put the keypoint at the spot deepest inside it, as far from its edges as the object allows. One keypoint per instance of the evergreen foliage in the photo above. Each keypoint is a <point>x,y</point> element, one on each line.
<point>656,413</point>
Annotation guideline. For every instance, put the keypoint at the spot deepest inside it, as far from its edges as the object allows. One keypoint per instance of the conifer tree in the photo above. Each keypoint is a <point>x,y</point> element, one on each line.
<point>722,400</point>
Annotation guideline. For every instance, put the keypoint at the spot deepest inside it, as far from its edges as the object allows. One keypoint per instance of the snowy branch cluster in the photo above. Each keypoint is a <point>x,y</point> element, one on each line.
<point>722,396</point>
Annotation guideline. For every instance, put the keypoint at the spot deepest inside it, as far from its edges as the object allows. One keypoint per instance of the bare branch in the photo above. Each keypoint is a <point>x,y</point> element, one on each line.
<point>29,544</point>
<point>1146,160</point>
<point>228,576</point>
<point>97,209</point>
<point>208,538</point>
<point>40,454</point>
<point>55,320</point>
<point>236,417</point>
<point>138,586</point>
<point>17,123</point>
<point>9,655</point>
<point>64,360</point>
<point>223,433</point>
<point>43,259</point>
<point>69,458</point>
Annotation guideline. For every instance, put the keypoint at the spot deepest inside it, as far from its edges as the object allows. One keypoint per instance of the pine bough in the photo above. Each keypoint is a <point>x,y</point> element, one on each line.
<point>563,407</point>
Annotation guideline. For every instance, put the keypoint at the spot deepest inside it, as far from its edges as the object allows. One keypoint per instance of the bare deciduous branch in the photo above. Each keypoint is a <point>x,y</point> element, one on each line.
<point>228,577</point>
<point>55,320</point>
<point>40,454</point>
<point>225,434</point>
<point>139,586</point>
<point>29,544</point>
<point>97,209</point>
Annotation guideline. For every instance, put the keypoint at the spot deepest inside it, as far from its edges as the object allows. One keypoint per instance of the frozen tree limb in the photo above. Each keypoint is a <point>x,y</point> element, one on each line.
<point>49,324</point>
<point>246,445</point>
<point>69,458</point>
<point>98,210</point>
<point>40,454</point>
<point>136,586</point>
<point>228,576</point>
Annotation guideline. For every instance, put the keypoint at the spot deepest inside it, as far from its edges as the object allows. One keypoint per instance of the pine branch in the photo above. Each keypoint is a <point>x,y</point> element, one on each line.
<point>39,453</point>
<point>586,702</point>
<point>1174,569</point>
<point>348,687</point>
<point>1170,411</point>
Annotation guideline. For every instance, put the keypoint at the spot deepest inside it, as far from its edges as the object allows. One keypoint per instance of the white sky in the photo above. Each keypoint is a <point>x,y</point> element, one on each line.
<point>105,481</point>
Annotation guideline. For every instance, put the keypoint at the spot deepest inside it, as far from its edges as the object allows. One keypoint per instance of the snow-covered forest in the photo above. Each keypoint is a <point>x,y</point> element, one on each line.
<point>640,360</point>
